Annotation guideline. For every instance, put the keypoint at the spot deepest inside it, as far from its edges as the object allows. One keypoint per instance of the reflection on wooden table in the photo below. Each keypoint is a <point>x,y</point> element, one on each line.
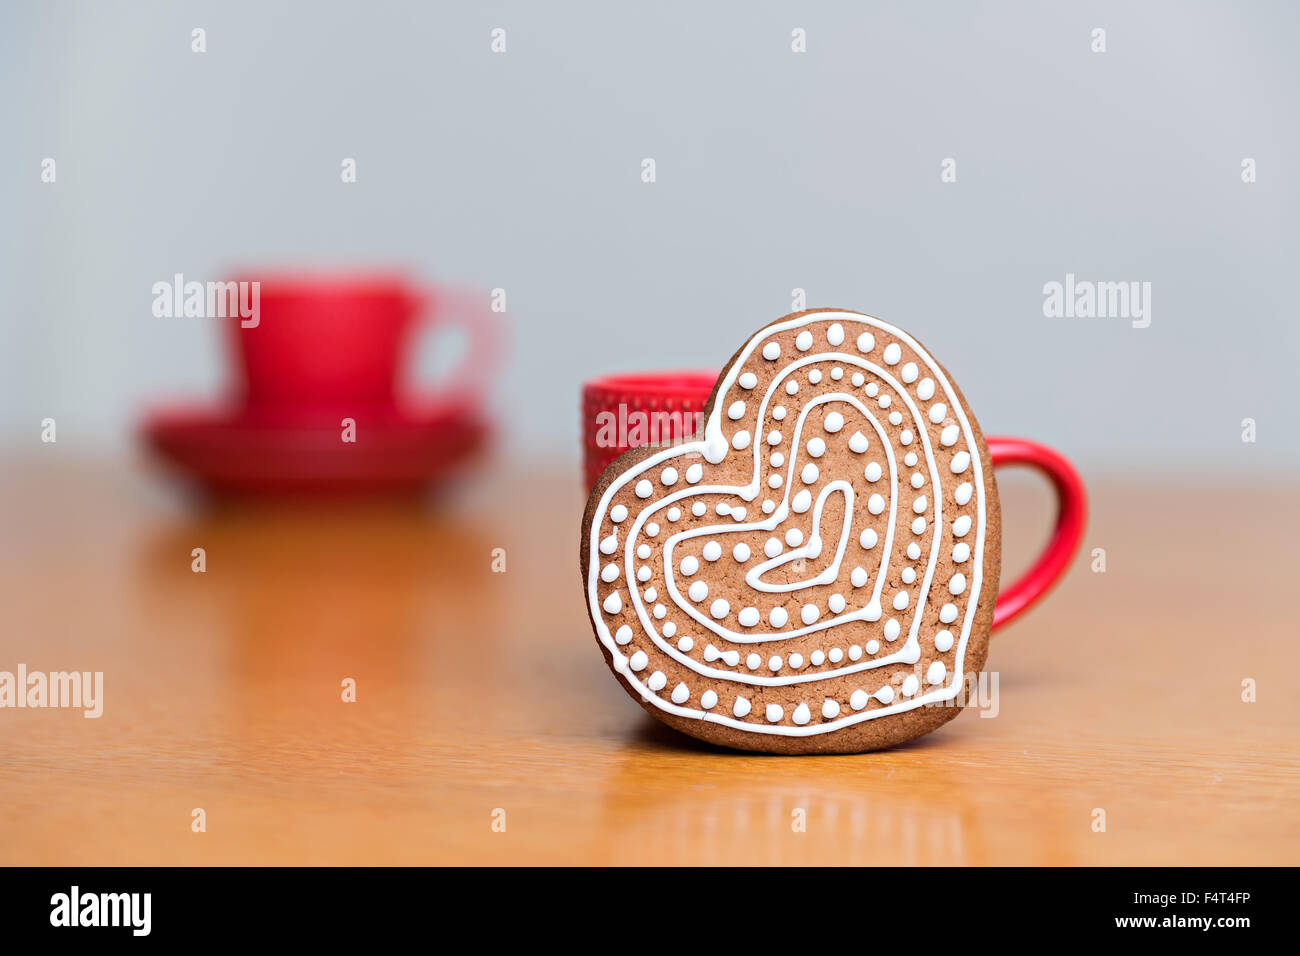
<point>481,697</point>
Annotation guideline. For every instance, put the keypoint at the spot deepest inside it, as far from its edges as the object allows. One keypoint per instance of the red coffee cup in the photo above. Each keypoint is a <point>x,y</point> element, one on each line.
<point>338,341</point>
<point>613,405</point>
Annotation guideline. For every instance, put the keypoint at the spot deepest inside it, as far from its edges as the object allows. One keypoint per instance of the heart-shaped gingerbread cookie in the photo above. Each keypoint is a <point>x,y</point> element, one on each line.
<point>816,571</point>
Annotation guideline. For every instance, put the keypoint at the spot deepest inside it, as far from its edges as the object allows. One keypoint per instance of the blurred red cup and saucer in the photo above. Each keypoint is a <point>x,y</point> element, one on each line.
<point>322,404</point>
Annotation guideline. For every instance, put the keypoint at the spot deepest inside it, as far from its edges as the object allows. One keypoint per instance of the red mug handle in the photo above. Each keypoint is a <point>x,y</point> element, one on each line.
<point>464,308</point>
<point>1071,516</point>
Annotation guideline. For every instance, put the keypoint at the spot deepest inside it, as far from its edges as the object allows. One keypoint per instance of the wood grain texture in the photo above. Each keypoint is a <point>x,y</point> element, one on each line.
<point>479,691</point>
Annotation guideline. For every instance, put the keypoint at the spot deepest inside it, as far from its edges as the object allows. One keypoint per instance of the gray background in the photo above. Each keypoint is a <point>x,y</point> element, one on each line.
<point>775,170</point>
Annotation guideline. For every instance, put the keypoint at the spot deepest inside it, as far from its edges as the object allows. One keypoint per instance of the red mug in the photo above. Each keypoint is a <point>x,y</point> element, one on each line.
<point>338,341</point>
<point>671,407</point>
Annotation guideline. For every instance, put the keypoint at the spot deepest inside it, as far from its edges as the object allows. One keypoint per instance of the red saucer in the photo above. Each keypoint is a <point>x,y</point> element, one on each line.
<point>232,451</point>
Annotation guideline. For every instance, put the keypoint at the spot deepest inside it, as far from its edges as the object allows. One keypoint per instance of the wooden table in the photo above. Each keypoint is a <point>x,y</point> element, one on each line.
<point>481,692</point>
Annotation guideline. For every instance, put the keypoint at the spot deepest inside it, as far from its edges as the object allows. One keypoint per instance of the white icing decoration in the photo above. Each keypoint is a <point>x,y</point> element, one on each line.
<point>943,641</point>
<point>825,557</point>
<point>747,380</point>
<point>835,334</point>
<point>858,443</point>
<point>644,489</point>
<point>803,341</point>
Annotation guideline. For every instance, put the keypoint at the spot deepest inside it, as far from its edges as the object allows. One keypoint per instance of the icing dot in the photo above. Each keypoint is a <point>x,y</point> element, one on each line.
<point>858,443</point>
<point>836,603</point>
<point>652,530</point>
<point>657,681</point>
<point>936,673</point>
<point>884,401</point>
<point>747,380</point>
<point>835,655</point>
<point>774,437</point>
<point>835,334</point>
<point>769,506</point>
<point>873,471</point>
<point>681,694</point>
<point>816,447</point>
<point>698,509</point>
<point>609,572</point>
<point>913,550</point>
<point>948,613</point>
<point>918,479</point>
<point>617,513</point>
<point>859,577</point>
<point>623,635</point>
<point>900,600</point>
<point>910,459</point>
<point>801,715</point>
<point>720,609</point>
<point>948,437</point>
<point>711,551</point>
<point>885,694</point>
<point>741,707</point>
<point>963,493</point>
<point>938,412</point>
<point>817,658</point>
<point>911,685</point>
<point>855,653</point>
<point>709,700</point>
<point>802,502</point>
<point>833,422</point>
<point>777,617</point>
<point>909,373</point>
<point>777,459</point>
<point>668,476</point>
<point>723,508</point>
<point>643,574</point>
<point>957,583</point>
<point>918,526</point>
<point>803,341</point>
<point>925,391</point>
<point>892,629</point>
<point>866,342</point>
<point>774,480</point>
<point>857,379</point>
<point>872,390</point>
<point>791,387</point>
<point>690,564</point>
<point>740,440</point>
<point>908,576</point>
<point>614,603</point>
<point>868,538</point>
<point>796,661</point>
<point>674,513</point>
<point>609,545</point>
<point>643,551</point>
<point>809,473</point>
<point>694,473</point>
<point>779,413</point>
<point>736,410</point>
<point>892,354</point>
<point>644,489</point>
<point>872,646</point>
<point>774,663</point>
<point>698,591</point>
<point>748,616</point>
<point>830,709</point>
<point>943,641</point>
<point>740,552</point>
<point>809,613</point>
<point>772,547</point>
<point>919,505</point>
<point>773,713</point>
<point>961,552</point>
<point>960,462</point>
<point>771,351</point>
<point>638,661</point>
<point>961,526</point>
<point>858,699</point>
<point>753,662</point>
<point>794,537</point>
<point>875,504</point>
<point>814,376</point>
